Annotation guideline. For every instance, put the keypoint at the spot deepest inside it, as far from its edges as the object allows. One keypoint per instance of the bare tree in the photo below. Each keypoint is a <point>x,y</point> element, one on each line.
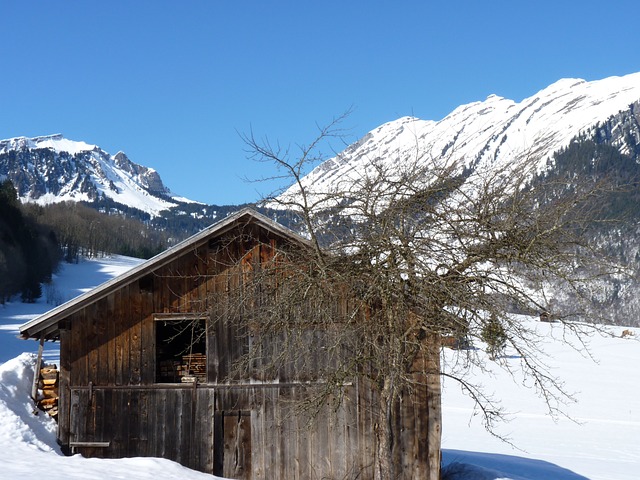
<point>403,254</point>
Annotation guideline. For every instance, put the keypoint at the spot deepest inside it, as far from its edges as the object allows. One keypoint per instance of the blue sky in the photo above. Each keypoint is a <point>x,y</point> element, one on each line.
<point>174,84</point>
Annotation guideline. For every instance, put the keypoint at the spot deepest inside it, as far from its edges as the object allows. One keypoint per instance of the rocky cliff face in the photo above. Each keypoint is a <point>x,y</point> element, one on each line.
<point>621,130</point>
<point>52,169</point>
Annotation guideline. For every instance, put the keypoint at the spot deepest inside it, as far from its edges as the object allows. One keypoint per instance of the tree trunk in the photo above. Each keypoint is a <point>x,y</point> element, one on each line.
<point>384,434</point>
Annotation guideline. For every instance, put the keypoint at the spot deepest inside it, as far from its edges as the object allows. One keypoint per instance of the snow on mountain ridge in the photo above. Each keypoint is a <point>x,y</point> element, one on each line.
<point>493,132</point>
<point>56,142</point>
<point>51,168</point>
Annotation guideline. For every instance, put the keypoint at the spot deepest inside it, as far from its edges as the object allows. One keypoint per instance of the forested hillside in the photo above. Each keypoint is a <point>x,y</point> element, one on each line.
<point>34,239</point>
<point>616,206</point>
<point>29,251</point>
<point>82,230</point>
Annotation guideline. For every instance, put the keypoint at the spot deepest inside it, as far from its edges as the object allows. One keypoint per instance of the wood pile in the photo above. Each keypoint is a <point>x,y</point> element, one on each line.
<point>48,384</point>
<point>185,370</point>
<point>194,365</point>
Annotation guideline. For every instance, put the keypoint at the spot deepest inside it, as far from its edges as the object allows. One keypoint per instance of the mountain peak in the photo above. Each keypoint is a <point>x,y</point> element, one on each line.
<point>493,132</point>
<point>56,142</point>
<point>52,168</point>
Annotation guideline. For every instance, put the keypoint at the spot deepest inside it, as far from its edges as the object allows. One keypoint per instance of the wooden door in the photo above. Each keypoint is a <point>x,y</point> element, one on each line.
<point>232,444</point>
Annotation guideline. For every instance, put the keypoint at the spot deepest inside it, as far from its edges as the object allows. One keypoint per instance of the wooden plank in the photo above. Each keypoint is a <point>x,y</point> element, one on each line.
<point>125,336</point>
<point>64,401</point>
<point>89,444</point>
<point>36,373</point>
<point>321,442</point>
<point>110,327</point>
<point>175,280</point>
<point>366,438</point>
<point>237,444</point>
<point>119,333</point>
<point>218,442</point>
<point>286,437</point>
<point>147,341</point>
<point>304,455</point>
<point>163,292</point>
<point>214,373</point>
<point>81,416</point>
<point>164,423</point>
<point>271,447</point>
<point>259,438</point>
<point>125,426</point>
<point>92,342</point>
<point>102,421</point>
<point>135,334</point>
<point>102,339</point>
<point>153,422</point>
<point>190,291</point>
<point>203,280</point>
<point>78,368</point>
<point>340,450</point>
<point>176,422</point>
<point>182,429</point>
<point>354,464</point>
<point>131,431</point>
<point>146,418</point>
<point>202,437</point>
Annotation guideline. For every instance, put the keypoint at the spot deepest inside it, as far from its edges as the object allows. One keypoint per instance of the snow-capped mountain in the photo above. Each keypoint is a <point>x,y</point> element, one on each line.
<point>51,169</point>
<point>497,130</point>
<point>571,119</point>
<point>477,135</point>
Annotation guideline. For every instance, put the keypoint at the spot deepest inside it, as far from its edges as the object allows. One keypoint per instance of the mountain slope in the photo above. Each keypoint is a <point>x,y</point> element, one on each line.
<point>52,169</point>
<point>572,131</point>
<point>497,130</point>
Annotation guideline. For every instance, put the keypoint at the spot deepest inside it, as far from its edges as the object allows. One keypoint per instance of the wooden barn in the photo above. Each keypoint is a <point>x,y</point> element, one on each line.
<point>134,381</point>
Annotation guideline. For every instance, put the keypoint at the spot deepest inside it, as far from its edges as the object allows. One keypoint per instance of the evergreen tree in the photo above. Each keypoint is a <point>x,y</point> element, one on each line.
<point>29,252</point>
<point>495,336</point>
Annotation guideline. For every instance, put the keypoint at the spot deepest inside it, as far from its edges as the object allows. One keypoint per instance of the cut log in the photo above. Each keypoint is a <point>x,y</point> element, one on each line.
<point>50,393</point>
<point>48,402</point>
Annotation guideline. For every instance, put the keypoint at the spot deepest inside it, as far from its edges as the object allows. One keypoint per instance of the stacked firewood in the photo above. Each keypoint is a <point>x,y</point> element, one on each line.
<point>48,384</point>
<point>194,365</point>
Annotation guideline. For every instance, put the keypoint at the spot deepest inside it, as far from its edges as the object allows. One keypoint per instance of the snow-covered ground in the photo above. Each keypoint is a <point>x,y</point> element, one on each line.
<point>598,439</point>
<point>601,440</point>
<point>72,280</point>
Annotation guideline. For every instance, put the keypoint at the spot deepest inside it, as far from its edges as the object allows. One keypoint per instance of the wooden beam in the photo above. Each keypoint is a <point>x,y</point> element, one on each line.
<point>89,444</point>
<point>76,445</point>
<point>36,372</point>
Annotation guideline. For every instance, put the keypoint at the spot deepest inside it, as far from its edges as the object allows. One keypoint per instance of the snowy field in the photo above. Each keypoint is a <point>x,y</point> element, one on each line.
<point>599,440</point>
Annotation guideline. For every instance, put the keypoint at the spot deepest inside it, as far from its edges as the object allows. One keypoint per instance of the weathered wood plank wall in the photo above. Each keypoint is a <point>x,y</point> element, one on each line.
<point>244,430</point>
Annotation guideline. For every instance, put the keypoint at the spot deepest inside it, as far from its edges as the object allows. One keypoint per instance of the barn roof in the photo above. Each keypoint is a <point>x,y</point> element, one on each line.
<point>47,323</point>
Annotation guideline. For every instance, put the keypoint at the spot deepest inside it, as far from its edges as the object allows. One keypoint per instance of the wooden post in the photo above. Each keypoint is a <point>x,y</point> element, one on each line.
<point>36,372</point>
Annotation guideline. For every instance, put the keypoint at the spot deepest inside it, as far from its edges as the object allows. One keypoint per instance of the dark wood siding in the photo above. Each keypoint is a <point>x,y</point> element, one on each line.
<point>241,429</point>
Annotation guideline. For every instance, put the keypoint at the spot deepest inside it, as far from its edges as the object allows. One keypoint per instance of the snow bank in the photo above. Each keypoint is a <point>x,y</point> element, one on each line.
<point>20,426</point>
<point>28,446</point>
